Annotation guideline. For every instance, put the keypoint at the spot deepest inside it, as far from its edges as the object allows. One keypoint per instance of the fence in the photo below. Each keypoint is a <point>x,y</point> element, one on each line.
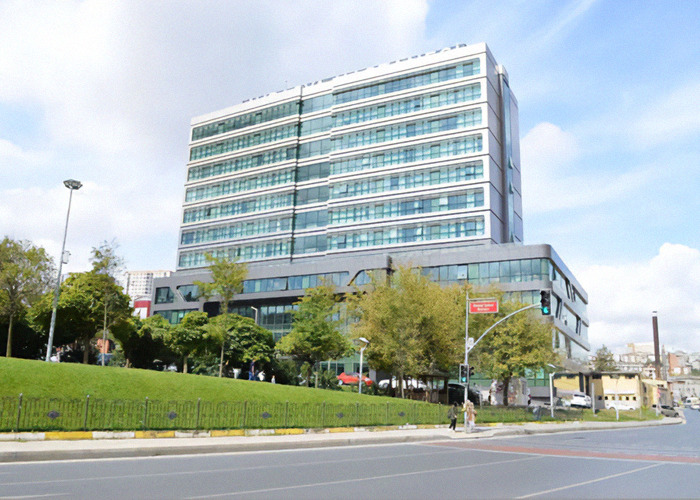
<point>44,414</point>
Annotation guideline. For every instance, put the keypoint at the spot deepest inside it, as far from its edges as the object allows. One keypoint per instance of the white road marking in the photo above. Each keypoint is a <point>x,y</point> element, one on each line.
<point>604,478</point>
<point>355,480</point>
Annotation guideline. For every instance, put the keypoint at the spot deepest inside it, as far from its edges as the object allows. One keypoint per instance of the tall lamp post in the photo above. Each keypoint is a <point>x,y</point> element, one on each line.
<point>362,352</point>
<point>72,185</point>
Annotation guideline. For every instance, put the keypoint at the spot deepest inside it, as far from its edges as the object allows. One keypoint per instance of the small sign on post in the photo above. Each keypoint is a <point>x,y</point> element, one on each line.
<point>483,307</point>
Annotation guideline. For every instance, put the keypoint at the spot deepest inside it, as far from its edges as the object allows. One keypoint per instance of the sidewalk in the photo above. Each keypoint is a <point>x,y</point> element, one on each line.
<point>22,447</point>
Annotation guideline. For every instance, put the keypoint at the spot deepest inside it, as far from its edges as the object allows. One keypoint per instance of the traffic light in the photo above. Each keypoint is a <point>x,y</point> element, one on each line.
<point>545,302</point>
<point>471,371</point>
<point>463,373</point>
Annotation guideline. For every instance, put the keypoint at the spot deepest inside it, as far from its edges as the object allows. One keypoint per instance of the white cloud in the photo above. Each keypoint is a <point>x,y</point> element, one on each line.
<point>557,175</point>
<point>116,84</point>
<point>622,298</point>
<point>673,117</point>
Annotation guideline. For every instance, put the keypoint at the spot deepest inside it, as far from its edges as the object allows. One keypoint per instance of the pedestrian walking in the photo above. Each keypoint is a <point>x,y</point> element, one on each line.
<point>261,376</point>
<point>273,380</point>
<point>452,415</point>
<point>471,416</point>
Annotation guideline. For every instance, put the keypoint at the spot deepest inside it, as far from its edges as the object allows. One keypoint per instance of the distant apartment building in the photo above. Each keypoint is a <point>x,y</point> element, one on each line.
<point>139,284</point>
<point>414,162</point>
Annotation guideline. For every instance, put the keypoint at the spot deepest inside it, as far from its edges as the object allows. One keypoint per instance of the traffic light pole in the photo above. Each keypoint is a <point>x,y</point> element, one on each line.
<point>468,346</point>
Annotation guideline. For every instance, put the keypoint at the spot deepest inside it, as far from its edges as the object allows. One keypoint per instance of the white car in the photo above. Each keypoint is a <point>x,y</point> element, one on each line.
<point>580,400</point>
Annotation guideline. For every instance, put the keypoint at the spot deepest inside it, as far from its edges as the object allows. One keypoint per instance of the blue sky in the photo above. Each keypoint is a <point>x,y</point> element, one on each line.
<point>609,97</point>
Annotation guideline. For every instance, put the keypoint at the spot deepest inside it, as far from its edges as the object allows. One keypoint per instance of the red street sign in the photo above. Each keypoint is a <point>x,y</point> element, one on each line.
<point>483,307</point>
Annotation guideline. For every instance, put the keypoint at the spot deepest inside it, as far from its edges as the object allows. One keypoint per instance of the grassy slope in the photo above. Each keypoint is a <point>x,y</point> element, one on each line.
<point>68,380</point>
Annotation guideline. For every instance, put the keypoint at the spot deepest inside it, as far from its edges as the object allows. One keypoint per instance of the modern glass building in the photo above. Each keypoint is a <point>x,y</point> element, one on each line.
<point>416,162</point>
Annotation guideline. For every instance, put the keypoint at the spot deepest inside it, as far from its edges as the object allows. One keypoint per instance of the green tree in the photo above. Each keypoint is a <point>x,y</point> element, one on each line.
<point>604,360</point>
<point>226,281</point>
<point>414,325</point>
<point>189,336</point>
<point>80,311</point>
<point>315,334</point>
<point>247,342</point>
<point>521,342</point>
<point>25,274</point>
<point>105,265</point>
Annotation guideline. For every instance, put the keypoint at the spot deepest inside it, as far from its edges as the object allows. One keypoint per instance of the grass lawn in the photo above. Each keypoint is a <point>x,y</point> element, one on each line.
<point>70,380</point>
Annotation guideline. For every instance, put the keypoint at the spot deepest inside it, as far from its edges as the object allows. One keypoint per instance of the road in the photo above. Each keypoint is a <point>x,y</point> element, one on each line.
<point>655,462</point>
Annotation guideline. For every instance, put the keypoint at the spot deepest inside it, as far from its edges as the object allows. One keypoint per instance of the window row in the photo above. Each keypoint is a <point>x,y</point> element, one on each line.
<point>314,148</point>
<point>246,120</point>
<point>360,213</point>
<point>244,141</point>
<point>223,188</point>
<point>258,204</point>
<point>315,126</point>
<point>393,236</point>
<point>241,163</point>
<point>409,180</point>
<point>234,231</point>
<point>257,251</point>
<point>485,273</point>
<point>315,171</point>
<point>429,77</point>
<point>312,195</point>
<point>434,150</point>
<point>411,105</point>
<point>408,129</point>
<point>308,220</point>
<point>302,282</point>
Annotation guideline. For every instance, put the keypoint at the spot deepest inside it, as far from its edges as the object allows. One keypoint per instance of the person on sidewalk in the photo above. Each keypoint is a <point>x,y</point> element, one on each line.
<point>452,415</point>
<point>471,416</point>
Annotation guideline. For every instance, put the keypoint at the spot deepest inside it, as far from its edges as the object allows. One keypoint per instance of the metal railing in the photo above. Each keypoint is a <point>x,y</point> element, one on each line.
<point>48,414</point>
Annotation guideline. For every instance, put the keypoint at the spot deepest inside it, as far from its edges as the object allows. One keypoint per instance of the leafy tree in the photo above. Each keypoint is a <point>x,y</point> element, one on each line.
<point>604,360</point>
<point>226,281</point>
<point>315,334</point>
<point>414,325</point>
<point>246,342</point>
<point>189,336</point>
<point>25,274</point>
<point>105,265</point>
<point>80,312</point>
<point>150,343</point>
<point>521,342</point>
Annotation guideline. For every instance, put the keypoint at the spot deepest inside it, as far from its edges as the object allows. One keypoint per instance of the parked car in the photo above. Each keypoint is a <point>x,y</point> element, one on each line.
<point>620,405</point>
<point>409,383</point>
<point>669,411</point>
<point>455,394</point>
<point>580,400</point>
<point>354,379</point>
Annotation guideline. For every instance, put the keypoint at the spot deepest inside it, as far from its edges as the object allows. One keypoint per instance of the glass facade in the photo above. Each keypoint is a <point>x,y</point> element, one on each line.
<point>218,211</point>
<point>248,229</point>
<point>398,156</point>
<point>409,180</point>
<point>240,185</point>
<point>472,198</point>
<point>411,105</point>
<point>246,120</point>
<point>429,77</point>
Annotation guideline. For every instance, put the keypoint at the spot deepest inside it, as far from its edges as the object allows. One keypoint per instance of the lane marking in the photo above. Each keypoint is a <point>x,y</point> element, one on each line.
<point>45,495</point>
<point>604,478</point>
<point>355,480</point>
<point>362,459</point>
<point>325,446</point>
<point>578,453</point>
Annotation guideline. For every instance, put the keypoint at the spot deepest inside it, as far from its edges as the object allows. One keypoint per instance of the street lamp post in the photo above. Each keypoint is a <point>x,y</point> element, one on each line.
<point>362,352</point>
<point>72,185</point>
<point>256,313</point>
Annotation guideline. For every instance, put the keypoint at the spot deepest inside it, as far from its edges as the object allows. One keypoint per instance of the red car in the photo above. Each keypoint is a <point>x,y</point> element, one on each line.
<point>354,379</point>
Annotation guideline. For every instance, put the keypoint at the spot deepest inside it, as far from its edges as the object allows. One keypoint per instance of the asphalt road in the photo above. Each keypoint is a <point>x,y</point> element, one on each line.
<point>656,462</point>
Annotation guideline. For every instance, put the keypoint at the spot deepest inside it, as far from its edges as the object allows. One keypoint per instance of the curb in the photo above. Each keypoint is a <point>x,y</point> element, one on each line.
<point>120,435</point>
<point>33,447</point>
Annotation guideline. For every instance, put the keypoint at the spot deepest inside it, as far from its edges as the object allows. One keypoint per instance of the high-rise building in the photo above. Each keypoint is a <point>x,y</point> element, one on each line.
<point>138,284</point>
<point>415,161</point>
